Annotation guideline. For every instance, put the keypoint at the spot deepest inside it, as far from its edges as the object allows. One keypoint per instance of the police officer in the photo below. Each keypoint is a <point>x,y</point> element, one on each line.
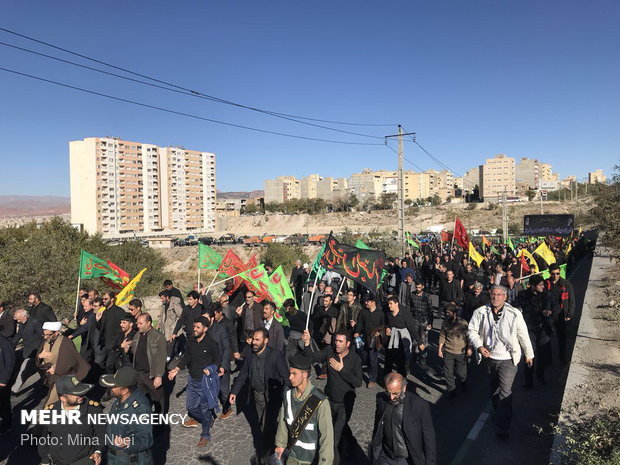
<point>74,441</point>
<point>128,444</point>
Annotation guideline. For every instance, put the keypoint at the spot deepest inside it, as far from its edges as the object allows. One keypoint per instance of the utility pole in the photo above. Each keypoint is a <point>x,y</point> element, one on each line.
<point>504,217</point>
<point>541,199</point>
<point>401,186</point>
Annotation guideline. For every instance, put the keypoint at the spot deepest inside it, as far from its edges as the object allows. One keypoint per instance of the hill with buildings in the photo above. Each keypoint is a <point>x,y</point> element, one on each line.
<point>31,205</point>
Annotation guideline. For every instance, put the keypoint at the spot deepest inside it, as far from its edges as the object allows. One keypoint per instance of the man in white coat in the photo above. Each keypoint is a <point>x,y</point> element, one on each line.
<point>499,334</point>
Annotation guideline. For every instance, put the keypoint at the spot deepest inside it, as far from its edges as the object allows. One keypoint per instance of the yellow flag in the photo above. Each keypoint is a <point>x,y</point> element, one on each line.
<point>570,247</point>
<point>474,255</point>
<point>128,291</point>
<point>532,261</point>
<point>545,253</point>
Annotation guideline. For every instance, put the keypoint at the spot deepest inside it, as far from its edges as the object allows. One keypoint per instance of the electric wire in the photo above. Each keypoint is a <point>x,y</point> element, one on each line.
<point>194,92</point>
<point>180,113</point>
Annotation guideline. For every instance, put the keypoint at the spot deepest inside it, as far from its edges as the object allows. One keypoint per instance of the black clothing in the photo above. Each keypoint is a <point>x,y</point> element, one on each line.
<point>472,302</point>
<point>394,444</point>
<point>31,335</point>
<point>421,308</point>
<point>419,433</point>
<point>67,452</point>
<point>275,374</point>
<point>109,326</point>
<point>469,278</point>
<point>7,324</point>
<point>257,373</point>
<point>340,384</point>
<point>297,322</point>
<point>176,293</point>
<point>188,317</point>
<point>450,292</point>
<point>229,326</point>
<point>404,320</point>
<point>369,321</point>
<point>42,312</point>
<point>7,360</point>
<point>199,355</point>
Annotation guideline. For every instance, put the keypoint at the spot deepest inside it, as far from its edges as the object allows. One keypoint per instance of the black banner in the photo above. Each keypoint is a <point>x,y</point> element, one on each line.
<point>363,266</point>
<point>548,225</point>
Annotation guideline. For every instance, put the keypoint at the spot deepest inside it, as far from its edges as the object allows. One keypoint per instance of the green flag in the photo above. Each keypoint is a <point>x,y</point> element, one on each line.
<point>208,259</point>
<point>94,267</point>
<point>279,287</point>
<point>360,245</point>
<point>546,274</point>
<point>411,242</point>
<point>509,244</point>
<point>317,269</point>
<point>494,250</point>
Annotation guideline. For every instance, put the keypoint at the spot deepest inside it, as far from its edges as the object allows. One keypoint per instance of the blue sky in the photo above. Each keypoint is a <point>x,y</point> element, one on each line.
<point>472,79</point>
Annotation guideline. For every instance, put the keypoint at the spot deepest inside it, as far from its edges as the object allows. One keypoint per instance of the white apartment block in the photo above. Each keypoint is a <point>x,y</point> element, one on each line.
<point>121,188</point>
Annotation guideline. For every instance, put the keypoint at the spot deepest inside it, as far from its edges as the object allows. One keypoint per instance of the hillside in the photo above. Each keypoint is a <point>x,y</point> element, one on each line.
<point>480,218</point>
<point>30,205</point>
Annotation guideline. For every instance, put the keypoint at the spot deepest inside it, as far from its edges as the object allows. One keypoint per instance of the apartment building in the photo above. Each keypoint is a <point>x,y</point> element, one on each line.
<point>282,189</point>
<point>123,188</point>
<point>498,177</point>
<point>309,186</point>
<point>597,176</point>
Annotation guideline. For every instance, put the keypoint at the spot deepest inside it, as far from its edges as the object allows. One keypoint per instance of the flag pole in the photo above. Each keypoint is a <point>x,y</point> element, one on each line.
<point>452,243</point>
<point>213,280</point>
<point>77,297</point>
<point>316,278</point>
<point>226,279</point>
<point>340,288</point>
<point>199,279</point>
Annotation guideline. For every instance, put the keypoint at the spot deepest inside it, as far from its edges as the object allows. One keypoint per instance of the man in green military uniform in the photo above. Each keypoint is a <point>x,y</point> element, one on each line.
<point>128,444</point>
<point>72,442</point>
<point>305,431</point>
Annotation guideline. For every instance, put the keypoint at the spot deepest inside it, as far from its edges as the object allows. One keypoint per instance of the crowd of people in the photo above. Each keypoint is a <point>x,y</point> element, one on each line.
<point>239,352</point>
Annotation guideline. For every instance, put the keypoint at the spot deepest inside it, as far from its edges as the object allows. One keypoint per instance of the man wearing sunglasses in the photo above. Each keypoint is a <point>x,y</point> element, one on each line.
<point>564,296</point>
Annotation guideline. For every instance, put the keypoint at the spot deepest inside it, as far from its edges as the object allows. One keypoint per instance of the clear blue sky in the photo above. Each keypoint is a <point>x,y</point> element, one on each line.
<point>471,78</point>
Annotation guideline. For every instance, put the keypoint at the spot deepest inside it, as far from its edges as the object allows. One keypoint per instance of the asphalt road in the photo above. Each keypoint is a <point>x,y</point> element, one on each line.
<point>464,430</point>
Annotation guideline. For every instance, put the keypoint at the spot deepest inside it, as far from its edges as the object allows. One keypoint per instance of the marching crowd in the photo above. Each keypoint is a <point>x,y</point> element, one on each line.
<point>238,352</point>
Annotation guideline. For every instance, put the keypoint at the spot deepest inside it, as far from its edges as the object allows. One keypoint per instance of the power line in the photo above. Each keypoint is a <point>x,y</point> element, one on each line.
<point>189,115</point>
<point>194,92</point>
<point>182,92</point>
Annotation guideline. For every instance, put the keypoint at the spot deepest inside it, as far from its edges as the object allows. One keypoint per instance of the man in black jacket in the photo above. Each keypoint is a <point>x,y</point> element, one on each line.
<point>30,333</point>
<point>371,328</point>
<point>108,324</point>
<point>450,290</point>
<point>7,364</point>
<point>38,310</point>
<point>564,296</point>
<point>221,335</point>
<point>7,323</point>
<point>202,357</point>
<point>344,374</point>
<point>191,312</point>
<point>266,372</point>
<point>403,431</point>
<point>401,328</point>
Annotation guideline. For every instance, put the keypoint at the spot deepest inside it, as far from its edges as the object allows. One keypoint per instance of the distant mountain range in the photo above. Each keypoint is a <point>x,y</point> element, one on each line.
<point>33,205</point>
<point>240,195</point>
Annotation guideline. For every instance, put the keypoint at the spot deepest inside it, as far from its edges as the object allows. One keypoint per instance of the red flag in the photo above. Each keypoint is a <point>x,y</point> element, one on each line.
<point>460,234</point>
<point>524,265</point>
<point>121,278</point>
<point>232,265</point>
<point>446,236</point>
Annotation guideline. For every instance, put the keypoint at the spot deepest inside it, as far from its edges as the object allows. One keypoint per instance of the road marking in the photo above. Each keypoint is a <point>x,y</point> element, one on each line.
<point>471,437</point>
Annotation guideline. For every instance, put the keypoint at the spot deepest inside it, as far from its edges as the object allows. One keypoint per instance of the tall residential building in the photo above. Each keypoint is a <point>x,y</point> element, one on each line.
<point>474,177</point>
<point>332,189</point>
<point>498,177</point>
<point>366,185</point>
<point>309,185</point>
<point>282,189</point>
<point>596,176</point>
<point>122,188</point>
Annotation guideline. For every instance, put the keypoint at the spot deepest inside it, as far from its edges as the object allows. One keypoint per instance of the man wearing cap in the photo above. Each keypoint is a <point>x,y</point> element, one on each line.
<point>58,357</point>
<point>72,442</point>
<point>310,441</point>
<point>128,444</point>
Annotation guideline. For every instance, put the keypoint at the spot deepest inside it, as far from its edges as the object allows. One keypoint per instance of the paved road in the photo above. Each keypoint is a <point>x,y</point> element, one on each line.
<point>454,420</point>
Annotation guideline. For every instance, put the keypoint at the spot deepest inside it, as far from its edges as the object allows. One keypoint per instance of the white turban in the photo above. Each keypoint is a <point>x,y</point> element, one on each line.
<point>52,325</point>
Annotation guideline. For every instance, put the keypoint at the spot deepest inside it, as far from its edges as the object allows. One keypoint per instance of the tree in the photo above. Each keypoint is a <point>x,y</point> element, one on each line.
<point>283,254</point>
<point>605,213</point>
<point>531,194</point>
<point>250,208</point>
<point>353,200</point>
<point>386,201</point>
<point>435,200</point>
<point>45,258</point>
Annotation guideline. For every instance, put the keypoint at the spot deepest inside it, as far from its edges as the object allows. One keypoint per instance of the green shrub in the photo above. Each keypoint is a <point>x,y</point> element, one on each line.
<point>593,440</point>
<point>283,254</point>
